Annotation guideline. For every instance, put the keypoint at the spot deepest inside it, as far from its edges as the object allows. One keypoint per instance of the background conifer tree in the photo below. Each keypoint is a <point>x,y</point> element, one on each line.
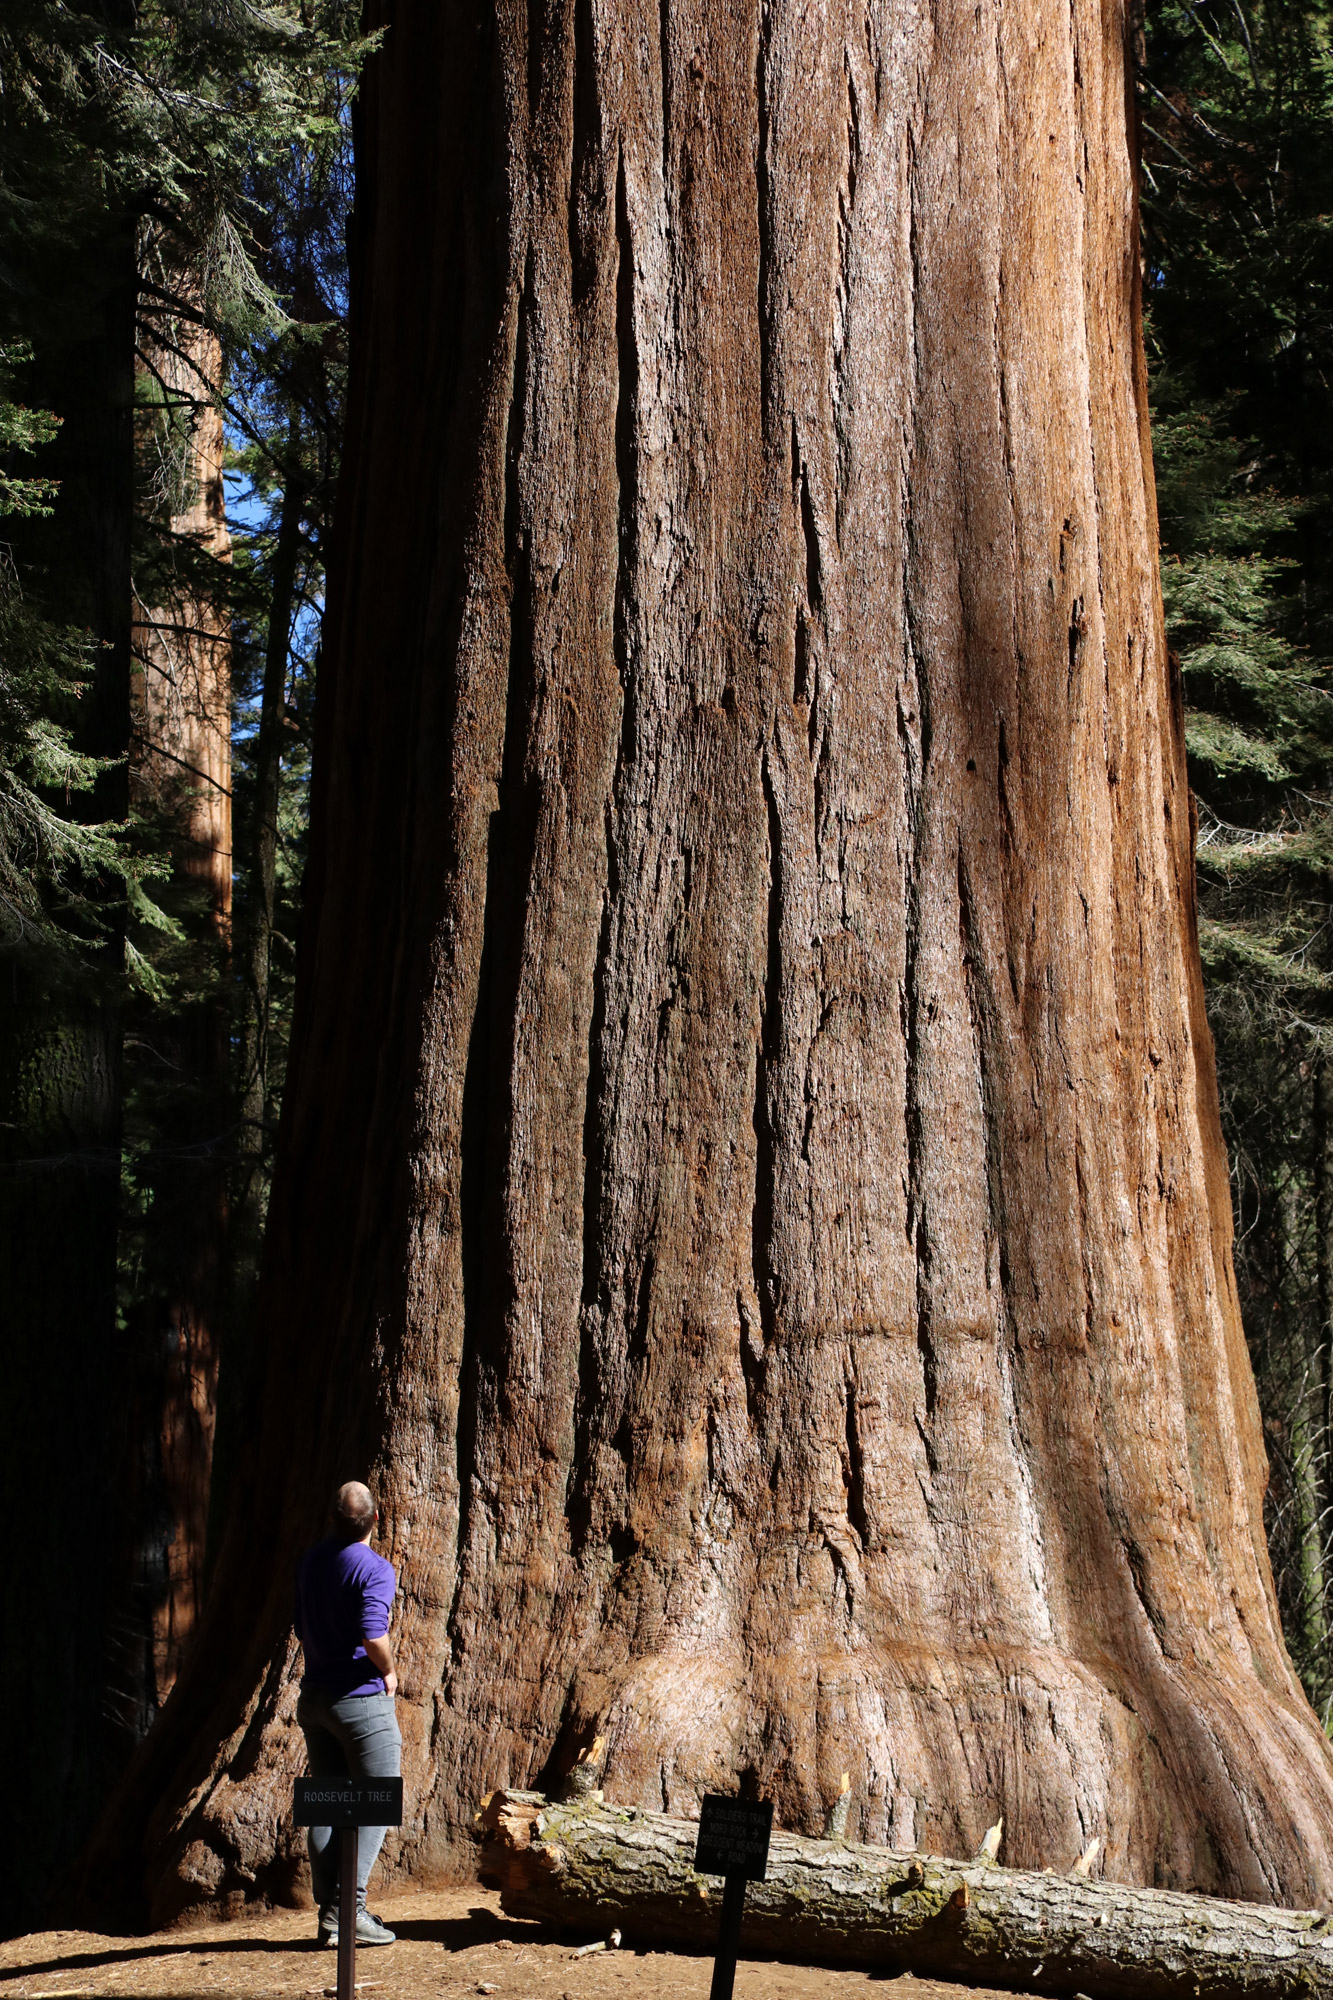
<point>1237,102</point>
<point>134,146</point>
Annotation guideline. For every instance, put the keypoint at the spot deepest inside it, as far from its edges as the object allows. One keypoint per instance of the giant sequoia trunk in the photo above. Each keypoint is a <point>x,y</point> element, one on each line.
<point>752,1195</point>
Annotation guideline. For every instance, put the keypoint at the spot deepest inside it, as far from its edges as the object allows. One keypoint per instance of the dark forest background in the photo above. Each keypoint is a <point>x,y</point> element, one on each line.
<point>177,228</point>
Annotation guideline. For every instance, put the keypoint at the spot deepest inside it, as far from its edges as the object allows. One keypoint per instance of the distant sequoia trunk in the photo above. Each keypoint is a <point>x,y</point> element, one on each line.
<point>180,783</point>
<point>751,1194</point>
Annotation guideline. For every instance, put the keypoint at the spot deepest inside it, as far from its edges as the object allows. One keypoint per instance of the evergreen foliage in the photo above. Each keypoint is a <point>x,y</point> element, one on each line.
<point>285,407</point>
<point>1237,102</point>
<point>170,124</point>
<point>172,185</point>
<point>221,137</point>
<point>47,861</point>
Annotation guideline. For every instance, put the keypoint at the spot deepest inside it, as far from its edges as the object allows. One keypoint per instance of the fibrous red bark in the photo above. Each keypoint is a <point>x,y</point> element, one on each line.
<point>752,1196</point>
<point>182,747</point>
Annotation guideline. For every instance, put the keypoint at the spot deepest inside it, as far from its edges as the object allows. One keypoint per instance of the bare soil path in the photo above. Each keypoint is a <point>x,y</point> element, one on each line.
<point>450,1944</point>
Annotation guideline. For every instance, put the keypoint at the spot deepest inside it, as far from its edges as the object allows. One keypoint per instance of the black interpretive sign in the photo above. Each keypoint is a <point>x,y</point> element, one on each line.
<point>733,1841</point>
<point>347,1802</point>
<point>733,1837</point>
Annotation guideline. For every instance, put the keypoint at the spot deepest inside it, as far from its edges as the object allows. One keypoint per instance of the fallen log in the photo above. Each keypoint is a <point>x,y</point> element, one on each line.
<point>592,1867</point>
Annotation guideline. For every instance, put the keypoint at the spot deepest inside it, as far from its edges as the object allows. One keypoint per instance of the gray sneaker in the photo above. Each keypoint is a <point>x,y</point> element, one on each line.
<point>369,1930</point>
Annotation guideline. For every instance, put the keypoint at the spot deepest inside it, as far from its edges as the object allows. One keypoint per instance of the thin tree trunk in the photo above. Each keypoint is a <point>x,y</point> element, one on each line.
<point>250,1176</point>
<point>751,1190</point>
<point>1301,1371</point>
<point>264,844</point>
<point>1323,1182</point>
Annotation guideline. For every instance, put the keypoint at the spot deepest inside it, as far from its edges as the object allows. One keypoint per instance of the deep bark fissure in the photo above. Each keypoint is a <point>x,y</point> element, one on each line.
<point>594,1296</point>
<point>480,1190</point>
<point>587,193</point>
<point>752,1358</point>
<point>763,222</point>
<point>1076,625</point>
<point>626,607</point>
<point>801,689</point>
<point>805,649</point>
<point>981,1011</point>
<point>1084,1252</point>
<point>765,1058</point>
<point>914,751</point>
<point>814,579</point>
<point>839,382</point>
<point>1006,805</point>
<point>664,81</point>
<point>910,1022</point>
<point>857,1512</point>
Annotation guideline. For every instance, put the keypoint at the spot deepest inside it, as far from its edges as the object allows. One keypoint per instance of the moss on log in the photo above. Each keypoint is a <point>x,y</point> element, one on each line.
<point>591,1866</point>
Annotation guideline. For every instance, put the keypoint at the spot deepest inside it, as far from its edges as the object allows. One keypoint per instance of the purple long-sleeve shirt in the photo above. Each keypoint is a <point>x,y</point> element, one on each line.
<point>344,1594</point>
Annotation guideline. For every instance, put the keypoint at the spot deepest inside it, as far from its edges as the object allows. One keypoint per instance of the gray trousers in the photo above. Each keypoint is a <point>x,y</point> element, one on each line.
<point>356,1737</point>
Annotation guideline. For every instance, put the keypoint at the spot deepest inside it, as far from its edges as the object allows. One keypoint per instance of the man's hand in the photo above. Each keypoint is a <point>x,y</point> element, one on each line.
<point>380,1654</point>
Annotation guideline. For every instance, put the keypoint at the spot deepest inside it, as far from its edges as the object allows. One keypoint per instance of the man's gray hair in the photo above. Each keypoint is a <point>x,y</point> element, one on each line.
<point>353,1510</point>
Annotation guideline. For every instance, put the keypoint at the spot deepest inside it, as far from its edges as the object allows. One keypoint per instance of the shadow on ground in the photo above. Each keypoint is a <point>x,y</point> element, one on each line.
<point>479,1926</point>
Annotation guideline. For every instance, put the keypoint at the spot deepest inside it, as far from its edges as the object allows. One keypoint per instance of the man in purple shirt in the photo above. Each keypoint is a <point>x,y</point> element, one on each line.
<point>344,1594</point>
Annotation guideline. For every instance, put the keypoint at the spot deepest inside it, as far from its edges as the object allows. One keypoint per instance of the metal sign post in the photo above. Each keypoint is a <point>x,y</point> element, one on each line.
<point>347,1840</point>
<point>733,1843</point>
<point>347,1804</point>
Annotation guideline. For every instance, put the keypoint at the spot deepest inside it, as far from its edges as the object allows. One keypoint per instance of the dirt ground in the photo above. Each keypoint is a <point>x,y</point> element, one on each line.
<point>449,1945</point>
